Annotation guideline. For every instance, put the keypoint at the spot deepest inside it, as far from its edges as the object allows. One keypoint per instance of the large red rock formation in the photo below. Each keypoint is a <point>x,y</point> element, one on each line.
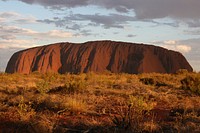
<point>97,56</point>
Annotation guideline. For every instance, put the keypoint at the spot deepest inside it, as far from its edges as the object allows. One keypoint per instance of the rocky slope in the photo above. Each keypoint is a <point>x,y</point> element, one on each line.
<point>97,56</point>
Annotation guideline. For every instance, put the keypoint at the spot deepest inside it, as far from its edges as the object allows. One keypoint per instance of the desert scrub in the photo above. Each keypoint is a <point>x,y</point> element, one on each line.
<point>43,86</point>
<point>156,80</point>
<point>75,106</point>
<point>147,81</point>
<point>135,116</point>
<point>25,110</point>
<point>52,103</point>
<point>74,87</point>
<point>141,104</point>
<point>90,76</point>
<point>59,104</point>
<point>140,111</point>
<point>186,121</point>
<point>182,72</point>
<point>192,83</point>
<point>51,77</point>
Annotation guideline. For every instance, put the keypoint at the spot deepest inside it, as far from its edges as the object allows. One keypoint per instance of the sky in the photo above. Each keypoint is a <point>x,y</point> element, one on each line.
<point>172,24</point>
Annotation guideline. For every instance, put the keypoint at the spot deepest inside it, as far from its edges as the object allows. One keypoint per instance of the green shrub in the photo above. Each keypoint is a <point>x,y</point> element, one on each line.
<point>140,104</point>
<point>43,86</point>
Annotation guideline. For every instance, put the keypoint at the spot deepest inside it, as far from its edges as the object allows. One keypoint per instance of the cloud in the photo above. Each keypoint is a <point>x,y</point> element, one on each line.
<point>192,32</point>
<point>193,23</point>
<point>10,36</point>
<point>28,20</point>
<point>183,48</point>
<point>2,20</point>
<point>15,44</point>
<point>58,22</point>
<point>75,27</point>
<point>7,37</point>
<point>176,46</point>
<point>131,35</point>
<point>15,18</point>
<point>56,33</point>
<point>14,30</point>
<point>144,9</point>
<point>57,4</point>
<point>106,21</point>
<point>17,31</point>
<point>153,9</point>
<point>9,14</point>
<point>170,42</point>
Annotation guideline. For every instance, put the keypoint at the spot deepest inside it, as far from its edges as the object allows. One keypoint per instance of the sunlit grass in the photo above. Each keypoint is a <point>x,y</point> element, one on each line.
<point>104,102</point>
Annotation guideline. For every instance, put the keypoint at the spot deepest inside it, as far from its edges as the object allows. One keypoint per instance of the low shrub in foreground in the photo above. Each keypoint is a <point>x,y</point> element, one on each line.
<point>74,87</point>
<point>153,81</point>
<point>43,86</point>
<point>192,83</point>
<point>136,116</point>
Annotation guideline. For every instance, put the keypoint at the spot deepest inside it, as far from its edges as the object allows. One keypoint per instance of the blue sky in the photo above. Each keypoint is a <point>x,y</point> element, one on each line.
<point>172,24</point>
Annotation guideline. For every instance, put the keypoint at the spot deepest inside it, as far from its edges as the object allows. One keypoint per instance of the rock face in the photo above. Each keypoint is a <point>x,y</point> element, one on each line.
<point>97,56</point>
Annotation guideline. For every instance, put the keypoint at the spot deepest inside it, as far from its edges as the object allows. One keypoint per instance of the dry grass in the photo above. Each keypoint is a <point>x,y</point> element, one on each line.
<point>100,102</point>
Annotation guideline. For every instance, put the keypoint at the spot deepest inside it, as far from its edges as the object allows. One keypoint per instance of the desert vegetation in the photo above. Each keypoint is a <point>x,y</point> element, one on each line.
<point>106,102</point>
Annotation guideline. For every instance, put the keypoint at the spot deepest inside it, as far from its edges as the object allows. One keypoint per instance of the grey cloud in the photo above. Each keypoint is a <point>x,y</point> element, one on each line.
<point>172,24</point>
<point>152,9</point>
<point>84,33</point>
<point>10,36</point>
<point>57,22</point>
<point>121,9</point>
<point>57,3</point>
<point>11,30</point>
<point>194,23</point>
<point>8,14</point>
<point>74,27</point>
<point>7,37</point>
<point>13,17</point>
<point>25,21</point>
<point>131,35</point>
<point>107,21</point>
<point>144,9</point>
<point>192,32</point>
<point>184,11</point>
<point>62,22</point>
